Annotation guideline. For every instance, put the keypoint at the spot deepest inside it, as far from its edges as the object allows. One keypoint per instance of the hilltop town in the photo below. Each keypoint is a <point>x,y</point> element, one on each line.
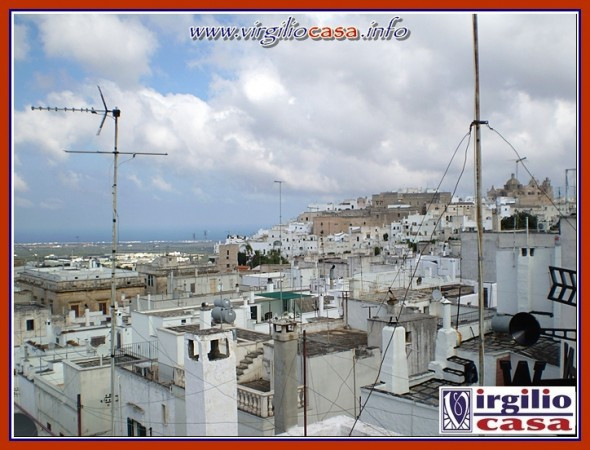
<point>345,320</point>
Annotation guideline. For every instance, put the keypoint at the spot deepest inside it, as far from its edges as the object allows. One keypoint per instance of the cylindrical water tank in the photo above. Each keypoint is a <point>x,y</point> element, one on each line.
<point>222,303</point>
<point>223,315</point>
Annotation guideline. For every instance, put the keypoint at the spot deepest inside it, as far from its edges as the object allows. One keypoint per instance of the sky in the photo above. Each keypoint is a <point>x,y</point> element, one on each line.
<point>331,119</point>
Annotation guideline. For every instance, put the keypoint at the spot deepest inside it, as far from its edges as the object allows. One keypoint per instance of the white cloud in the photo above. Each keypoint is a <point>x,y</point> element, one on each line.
<point>159,183</point>
<point>19,184</point>
<point>262,85</point>
<point>200,194</point>
<point>107,45</point>
<point>135,180</point>
<point>71,179</point>
<point>329,118</point>
<point>21,46</point>
<point>52,132</point>
<point>22,202</point>
<point>52,204</point>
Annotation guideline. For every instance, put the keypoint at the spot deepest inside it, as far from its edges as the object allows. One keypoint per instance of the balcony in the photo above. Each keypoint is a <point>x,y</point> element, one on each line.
<point>256,398</point>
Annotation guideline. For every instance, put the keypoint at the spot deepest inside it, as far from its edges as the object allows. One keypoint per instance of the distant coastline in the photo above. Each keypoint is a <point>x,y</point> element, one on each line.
<point>23,237</point>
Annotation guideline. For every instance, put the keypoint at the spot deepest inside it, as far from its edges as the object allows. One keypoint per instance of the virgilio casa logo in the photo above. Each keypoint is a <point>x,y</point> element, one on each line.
<point>502,410</point>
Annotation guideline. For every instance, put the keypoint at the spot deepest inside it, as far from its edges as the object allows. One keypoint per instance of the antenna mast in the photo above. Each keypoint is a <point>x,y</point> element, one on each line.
<point>115,113</point>
<point>477,122</point>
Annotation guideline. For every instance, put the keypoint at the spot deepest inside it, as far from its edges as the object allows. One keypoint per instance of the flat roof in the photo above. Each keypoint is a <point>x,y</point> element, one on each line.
<point>334,341</point>
<point>289,295</point>
<point>545,349</point>
<point>176,312</point>
<point>253,336</point>
<point>75,274</point>
<point>425,393</point>
<point>192,328</point>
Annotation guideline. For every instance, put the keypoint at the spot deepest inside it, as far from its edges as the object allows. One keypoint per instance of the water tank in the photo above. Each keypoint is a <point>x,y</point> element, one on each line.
<point>223,315</point>
<point>222,303</point>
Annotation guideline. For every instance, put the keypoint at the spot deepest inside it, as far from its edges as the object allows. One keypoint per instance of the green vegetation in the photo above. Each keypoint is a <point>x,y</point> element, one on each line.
<point>518,221</point>
<point>256,258</point>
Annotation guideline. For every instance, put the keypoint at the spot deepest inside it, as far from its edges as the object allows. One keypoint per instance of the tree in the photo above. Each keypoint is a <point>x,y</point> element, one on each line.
<point>518,221</point>
<point>256,259</point>
<point>242,258</point>
<point>273,257</point>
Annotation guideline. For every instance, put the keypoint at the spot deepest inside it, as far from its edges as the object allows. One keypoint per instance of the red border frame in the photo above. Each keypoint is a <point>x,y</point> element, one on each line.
<point>5,225</point>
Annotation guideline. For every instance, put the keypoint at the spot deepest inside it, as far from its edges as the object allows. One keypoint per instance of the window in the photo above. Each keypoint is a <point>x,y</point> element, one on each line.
<point>134,428</point>
<point>191,350</point>
<point>76,309</point>
<point>532,250</point>
<point>95,341</point>
<point>30,324</point>
<point>164,414</point>
<point>102,307</point>
<point>219,349</point>
<point>523,251</point>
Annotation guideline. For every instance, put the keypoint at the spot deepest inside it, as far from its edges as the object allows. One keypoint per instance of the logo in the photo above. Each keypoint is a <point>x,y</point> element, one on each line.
<point>501,410</point>
<point>455,410</point>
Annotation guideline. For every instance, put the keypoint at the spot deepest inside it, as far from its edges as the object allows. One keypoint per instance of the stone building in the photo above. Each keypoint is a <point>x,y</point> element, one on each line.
<point>531,195</point>
<point>69,289</point>
<point>227,260</point>
<point>422,201</point>
<point>30,322</point>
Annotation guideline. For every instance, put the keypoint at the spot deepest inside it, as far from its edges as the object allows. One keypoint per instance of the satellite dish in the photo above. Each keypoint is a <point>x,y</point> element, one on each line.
<point>436,295</point>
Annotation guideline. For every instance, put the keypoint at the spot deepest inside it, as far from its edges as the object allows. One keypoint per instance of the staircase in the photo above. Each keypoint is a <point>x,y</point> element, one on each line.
<point>461,370</point>
<point>246,362</point>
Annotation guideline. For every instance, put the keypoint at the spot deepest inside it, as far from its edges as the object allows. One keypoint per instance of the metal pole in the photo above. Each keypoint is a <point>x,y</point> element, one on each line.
<point>478,204</point>
<point>116,114</point>
<point>281,245</point>
<point>304,384</point>
<point>79,411</point>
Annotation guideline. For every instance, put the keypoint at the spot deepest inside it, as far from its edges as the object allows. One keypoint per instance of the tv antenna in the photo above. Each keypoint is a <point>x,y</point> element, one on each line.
<point>519,160</point>
<point>114,113</point>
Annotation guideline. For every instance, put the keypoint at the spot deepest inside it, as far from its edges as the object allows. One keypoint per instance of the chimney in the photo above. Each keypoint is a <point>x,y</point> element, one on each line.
<point>446,314</point>
<point>49,331</point>
<point>285,336</point>
<point>446,340</point>
<point>395,363</point>
<point>332,276</point>
<point>205,316</point>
